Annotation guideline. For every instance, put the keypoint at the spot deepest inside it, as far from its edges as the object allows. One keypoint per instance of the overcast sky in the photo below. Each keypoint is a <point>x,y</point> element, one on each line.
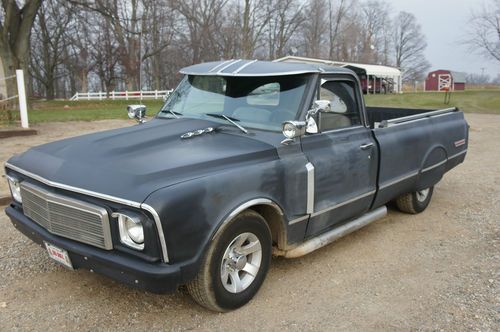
<point>443,23</point>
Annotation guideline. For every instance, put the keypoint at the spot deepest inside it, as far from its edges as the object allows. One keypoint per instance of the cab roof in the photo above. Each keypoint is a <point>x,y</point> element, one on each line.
<point>259,68</point>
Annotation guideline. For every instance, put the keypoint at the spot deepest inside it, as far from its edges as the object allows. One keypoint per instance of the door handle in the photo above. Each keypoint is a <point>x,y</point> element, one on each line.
<point>366,146</point>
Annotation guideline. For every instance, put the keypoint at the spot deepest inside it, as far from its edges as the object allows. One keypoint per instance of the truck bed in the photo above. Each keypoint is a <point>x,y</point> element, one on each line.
<point>416,147</point>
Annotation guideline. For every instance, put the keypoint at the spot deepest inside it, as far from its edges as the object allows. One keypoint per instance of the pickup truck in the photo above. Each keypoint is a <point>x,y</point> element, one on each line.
<point>245,160</point>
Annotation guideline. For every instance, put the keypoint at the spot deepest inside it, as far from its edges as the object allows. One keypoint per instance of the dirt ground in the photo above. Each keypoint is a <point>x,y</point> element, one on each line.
<point>438,270</point>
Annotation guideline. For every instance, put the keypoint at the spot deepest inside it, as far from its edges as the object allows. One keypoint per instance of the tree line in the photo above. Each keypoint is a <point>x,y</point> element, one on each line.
<point>104,45</point>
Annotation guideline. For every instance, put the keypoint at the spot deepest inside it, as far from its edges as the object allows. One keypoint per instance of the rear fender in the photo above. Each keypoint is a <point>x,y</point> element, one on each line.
<point>432,168</point>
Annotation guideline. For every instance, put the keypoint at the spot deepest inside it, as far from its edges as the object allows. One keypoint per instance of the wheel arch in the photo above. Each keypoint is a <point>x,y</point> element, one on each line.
<point>433,166</point>
<point>269,210</point>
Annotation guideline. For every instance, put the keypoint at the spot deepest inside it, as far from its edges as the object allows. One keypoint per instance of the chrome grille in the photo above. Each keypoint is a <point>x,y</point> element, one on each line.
<point>67,217</point>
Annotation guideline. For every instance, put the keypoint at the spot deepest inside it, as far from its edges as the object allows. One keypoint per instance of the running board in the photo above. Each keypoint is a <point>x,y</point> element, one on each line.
<point>335,234</point>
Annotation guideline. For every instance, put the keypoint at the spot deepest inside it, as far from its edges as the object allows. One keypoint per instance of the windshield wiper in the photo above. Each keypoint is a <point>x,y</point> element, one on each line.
<point>229,119</point>
<point>175,114</point>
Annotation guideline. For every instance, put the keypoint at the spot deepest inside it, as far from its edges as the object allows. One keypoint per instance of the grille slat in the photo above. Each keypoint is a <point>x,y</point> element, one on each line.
<point>67,217</point>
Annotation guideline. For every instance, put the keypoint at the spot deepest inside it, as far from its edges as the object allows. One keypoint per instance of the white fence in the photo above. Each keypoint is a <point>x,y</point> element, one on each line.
<point>21,95</point>
<point>115,95</point>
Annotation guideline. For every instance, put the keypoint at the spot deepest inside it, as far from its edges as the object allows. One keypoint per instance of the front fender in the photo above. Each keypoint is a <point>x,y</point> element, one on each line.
<point>192,211</point>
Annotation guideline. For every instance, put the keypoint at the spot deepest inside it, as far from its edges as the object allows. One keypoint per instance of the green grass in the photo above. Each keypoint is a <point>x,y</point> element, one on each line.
<point>472,101</point>
<point>63,110</point>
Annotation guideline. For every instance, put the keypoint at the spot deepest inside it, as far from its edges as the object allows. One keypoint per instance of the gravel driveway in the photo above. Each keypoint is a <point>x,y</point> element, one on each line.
<point>432,271</point>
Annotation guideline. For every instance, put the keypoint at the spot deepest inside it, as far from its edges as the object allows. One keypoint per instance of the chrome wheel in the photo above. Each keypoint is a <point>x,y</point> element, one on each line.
<point>422,194</point>
<point>241,262</point>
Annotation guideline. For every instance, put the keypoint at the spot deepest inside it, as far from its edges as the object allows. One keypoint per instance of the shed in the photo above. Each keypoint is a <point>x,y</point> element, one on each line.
<point>445,80</point>
<point>373,78</point>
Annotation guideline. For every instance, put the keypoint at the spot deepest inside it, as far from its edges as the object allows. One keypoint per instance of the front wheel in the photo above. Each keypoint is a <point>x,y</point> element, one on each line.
<point>235,264</point>
<point>415,202</point>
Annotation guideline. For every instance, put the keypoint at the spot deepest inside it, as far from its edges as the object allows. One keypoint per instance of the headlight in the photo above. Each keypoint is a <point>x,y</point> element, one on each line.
<point>131,230</point>
<point>292,129</point>
<point>15,189</point>
<point>289,130</point>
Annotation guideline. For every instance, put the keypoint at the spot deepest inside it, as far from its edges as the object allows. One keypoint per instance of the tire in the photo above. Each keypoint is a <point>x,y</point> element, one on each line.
<point>415,202</point>
<point>223,261</point>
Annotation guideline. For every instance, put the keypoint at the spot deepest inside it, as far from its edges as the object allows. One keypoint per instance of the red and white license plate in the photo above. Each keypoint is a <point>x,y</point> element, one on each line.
<point>59,255</point>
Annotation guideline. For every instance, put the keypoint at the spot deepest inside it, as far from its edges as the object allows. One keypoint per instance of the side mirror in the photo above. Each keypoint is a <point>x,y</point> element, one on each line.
<point>137,112</point>
<point>313,116</point>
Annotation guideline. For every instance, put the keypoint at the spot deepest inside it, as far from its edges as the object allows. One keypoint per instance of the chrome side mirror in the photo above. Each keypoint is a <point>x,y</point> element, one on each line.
<point>313,118</point>
<point>137,112</point>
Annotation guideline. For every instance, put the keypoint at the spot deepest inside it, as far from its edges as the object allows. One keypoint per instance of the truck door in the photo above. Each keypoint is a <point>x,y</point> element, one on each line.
<point>344,156</point>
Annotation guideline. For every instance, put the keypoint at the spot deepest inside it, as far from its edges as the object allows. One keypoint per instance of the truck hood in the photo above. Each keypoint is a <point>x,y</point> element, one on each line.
<point>132,162</point>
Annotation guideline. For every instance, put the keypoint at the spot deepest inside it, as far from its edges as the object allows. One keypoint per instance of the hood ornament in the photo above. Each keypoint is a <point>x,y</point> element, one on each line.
<point>198,132</point>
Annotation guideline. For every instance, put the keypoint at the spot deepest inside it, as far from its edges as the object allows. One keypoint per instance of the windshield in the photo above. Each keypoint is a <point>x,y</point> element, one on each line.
<point>253,102</point>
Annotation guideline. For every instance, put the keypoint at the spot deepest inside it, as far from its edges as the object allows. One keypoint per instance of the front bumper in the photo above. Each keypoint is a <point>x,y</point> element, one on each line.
<point>153,277</point>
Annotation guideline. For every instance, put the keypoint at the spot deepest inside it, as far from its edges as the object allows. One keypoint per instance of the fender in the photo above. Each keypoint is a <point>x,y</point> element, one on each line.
<point>432,168</point>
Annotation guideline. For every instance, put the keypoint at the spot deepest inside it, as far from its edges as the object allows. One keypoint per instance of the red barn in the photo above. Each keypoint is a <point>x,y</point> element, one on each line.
<point>443,80</point>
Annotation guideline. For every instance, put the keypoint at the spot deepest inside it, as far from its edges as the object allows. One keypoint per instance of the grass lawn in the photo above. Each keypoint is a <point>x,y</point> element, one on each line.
<point>65,110</point>
<point>473,101</point>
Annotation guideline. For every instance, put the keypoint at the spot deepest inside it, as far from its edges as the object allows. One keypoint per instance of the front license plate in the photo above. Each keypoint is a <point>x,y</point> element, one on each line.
<point>59,255</point>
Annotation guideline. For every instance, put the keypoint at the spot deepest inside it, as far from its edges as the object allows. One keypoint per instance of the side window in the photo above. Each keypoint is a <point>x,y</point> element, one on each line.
<point>344,107</point>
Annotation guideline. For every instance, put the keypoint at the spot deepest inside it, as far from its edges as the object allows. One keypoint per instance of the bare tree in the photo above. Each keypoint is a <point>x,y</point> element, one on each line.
<point>132,44</point>
<point>337,15</point>
<point>202,19</point>
<point>283,25</point>
<point>315,27</point>
<point>484,30</point>
<point>374,18</point>
<point>409,47</point>
<point>478,79</point>
<point>15,29</point>
<point>49,43</point>
<point>255,18</point>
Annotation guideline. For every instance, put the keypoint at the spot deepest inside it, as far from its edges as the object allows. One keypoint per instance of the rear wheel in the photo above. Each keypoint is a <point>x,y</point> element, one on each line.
<point>235,265</point>
<point>415,202</point>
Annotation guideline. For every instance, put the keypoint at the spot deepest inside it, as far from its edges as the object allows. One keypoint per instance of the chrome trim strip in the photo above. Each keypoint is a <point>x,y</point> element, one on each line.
<point>420,116</point>
<point>400,179</point>
<point>244,66</point>
<point>457,154</point>
<point>297,72</point>
<point>242,207</point>
<point>219,65</point>
<point>344,203</point>
<point>434,166</point>
<point>159,228</point>
<point>228,65</point>
<point>310,188</point>
<point>341,129</point>
<point>297,220</point>
<point>74,189</point>
<point>148,208</point>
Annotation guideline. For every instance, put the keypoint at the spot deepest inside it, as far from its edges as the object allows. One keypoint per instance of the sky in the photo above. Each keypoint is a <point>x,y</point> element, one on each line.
<point>443,23</point>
